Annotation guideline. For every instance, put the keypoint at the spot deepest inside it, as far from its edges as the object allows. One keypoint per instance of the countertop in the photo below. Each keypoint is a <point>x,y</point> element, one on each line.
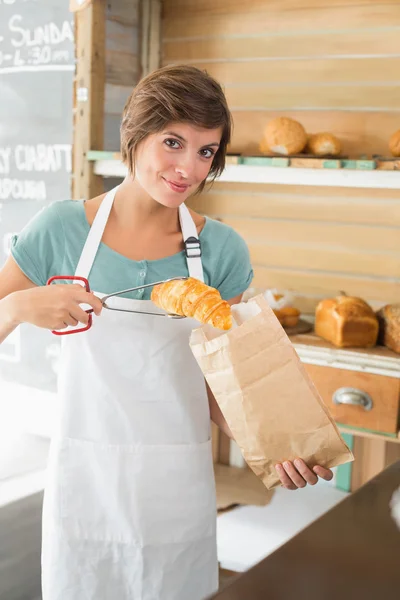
<point>352,552</point>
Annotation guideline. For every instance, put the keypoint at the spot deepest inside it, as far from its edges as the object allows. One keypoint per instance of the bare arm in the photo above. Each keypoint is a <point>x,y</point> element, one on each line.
<point>12,280</point>
<point>53,307</point>
<point>215,412</point>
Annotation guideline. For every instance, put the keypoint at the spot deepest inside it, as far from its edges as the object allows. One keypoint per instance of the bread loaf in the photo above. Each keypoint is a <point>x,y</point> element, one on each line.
<point>284,136</point>
<point>323,144</point>
<point>389,326</point>
<point>346,321</point>
<point>394,143</point>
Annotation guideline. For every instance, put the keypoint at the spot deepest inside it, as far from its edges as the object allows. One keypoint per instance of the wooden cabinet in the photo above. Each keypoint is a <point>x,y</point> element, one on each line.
<point>361,387</point>
<point>359,399</point>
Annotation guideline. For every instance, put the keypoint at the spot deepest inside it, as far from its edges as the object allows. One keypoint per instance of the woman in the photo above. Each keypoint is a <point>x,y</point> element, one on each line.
<point>129,509</point>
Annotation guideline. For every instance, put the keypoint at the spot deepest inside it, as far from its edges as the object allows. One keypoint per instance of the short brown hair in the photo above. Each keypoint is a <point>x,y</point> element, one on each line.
<point>180,93</point>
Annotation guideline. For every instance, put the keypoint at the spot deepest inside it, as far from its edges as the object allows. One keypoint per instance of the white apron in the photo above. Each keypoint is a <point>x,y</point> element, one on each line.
<point>130,510</point>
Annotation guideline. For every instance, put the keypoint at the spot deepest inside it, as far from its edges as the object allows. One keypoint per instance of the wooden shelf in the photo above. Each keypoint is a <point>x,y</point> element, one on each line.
<point>285,171</point>
<point>315,351</point>
<point>375,435</point>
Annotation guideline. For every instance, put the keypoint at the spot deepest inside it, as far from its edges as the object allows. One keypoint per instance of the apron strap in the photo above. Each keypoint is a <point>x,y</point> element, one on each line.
<point>95,234</point>
<point>191,242</point>
<point>189,234</point>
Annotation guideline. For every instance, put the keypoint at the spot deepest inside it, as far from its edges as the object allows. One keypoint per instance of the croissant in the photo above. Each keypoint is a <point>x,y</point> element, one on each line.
<point>193,298</point>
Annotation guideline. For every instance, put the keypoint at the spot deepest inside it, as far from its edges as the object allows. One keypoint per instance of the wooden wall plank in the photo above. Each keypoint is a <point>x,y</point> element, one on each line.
<point>273,209</point>
<point>335,260</point>
<point>89,111</point>
<point>115,98</point>
<point>111,133</point>
<point>210,7</point>
<point>360,132</point>
<point>315,71</point>
<point>331,97</point>
<point>122,68</point>
<point>263,17</point>
<point>151,20</point>
<point>123,11</point>
<point>304,190</point>
<point>318,234</point>
<point>318,45</point>
<point>121,37</point>
<point>305,203</point>
<point>122,53</point>
<point>122,64</point>
<point>322,284</point>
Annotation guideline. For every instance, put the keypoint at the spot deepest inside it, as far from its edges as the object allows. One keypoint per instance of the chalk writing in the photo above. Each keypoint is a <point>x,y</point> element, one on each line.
<point>22,189</point>
<point>38,158</point>
<point>29,47</point>
<point>49,33</point>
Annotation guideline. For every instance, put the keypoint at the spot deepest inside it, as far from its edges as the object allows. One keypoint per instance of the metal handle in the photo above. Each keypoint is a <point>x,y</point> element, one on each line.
<point>352,396</point>
<point>141,287</point>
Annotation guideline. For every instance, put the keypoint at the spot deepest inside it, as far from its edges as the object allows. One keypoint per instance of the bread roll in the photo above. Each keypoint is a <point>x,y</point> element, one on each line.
<point>346,321</point>
<point>288,316</point>
<point>322,144</point>
<point>264,147</point>
<point>284,136</point>
<point>193,298</point>
<point>394,143</point>
<point>389,326</point>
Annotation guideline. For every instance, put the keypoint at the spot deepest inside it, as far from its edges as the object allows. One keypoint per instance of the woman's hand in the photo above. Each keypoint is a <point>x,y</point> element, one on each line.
<point>52,307</point>
<point>296,475</point>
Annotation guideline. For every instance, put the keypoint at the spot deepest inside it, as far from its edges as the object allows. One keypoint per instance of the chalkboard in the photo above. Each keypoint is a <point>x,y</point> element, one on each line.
<point>36,95</point>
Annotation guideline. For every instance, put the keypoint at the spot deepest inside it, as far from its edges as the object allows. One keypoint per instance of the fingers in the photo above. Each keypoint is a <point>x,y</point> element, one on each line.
<point>286,480</point>
<point>94,302</point>
<point>70,320</point>
<point>323,473</point>
<point>298,474</point>
<point>307,474</point>
<point>67,320</point>
<point>84,297</point>
<point>59,326</point>
<point>78,314</point>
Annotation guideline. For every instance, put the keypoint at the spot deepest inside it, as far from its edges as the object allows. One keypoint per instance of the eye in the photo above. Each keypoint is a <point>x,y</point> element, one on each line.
<point>207,152</point>
<point>171,143</point>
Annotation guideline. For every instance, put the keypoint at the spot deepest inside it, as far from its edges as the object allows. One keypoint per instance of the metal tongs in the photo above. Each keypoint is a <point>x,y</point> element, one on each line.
<point>85,282</point>
<point>142,287</point>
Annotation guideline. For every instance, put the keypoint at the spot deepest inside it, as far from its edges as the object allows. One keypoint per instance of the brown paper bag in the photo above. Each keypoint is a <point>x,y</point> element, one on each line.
<point>268,400</point>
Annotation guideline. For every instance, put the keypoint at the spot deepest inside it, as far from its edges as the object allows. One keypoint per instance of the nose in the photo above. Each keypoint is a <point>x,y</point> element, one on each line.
<point>185,167</point>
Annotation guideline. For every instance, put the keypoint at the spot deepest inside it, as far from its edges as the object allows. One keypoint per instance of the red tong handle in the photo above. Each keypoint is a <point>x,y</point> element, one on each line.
<point>87,288</point>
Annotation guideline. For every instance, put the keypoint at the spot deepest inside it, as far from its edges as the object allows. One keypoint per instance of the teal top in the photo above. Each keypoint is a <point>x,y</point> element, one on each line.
<point>52,242</point>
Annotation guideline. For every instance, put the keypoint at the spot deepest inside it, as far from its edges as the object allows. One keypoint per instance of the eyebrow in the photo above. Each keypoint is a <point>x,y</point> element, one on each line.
<point>183,139</point>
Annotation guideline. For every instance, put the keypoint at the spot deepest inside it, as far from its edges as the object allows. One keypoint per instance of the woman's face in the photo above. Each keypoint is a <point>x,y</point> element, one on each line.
<point>171,164</point>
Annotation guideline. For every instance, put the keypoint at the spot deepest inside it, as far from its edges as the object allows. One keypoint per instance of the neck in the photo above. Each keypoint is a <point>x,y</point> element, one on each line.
<point>133,206</point>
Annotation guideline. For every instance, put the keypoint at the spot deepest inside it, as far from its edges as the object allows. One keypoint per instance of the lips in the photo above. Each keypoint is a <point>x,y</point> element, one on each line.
<point>175,186</point>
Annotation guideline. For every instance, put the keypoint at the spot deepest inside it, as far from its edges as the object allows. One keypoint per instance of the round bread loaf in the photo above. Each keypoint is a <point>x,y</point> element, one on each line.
<point>323,144</point>
<point>263,147</point>
<point>394,143</point>
<point>284,136</point>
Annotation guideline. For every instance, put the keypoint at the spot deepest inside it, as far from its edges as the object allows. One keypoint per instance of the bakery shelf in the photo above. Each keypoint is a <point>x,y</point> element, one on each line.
<point>315,351</point>
<point>376,435</point>
<point>280,170</point>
